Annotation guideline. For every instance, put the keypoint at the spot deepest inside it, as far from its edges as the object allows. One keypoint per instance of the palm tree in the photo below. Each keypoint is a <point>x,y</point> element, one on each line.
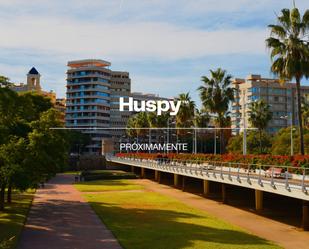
<point>131,127</point>
<point>305,110</point>
<point>135,123</point>
<point>290,53</point>
<point>158,121</point>
<point>216,95</point>
<point>185,115</point>
<point>201,118</point>
<point>259,117</point>
<point>141,121</point>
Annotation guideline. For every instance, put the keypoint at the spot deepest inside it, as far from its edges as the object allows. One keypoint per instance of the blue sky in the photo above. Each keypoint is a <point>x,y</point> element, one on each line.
<point>165,45</point>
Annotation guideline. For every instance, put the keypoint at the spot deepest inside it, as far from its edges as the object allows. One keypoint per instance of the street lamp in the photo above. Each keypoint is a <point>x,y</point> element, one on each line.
<point>244,141</point>
<point>291,135</point>
<point>215,144</point>
<point>215,135</point>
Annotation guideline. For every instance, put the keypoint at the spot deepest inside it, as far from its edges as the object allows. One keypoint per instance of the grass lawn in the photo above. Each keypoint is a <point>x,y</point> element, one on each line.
<point>13,218</point>
<point>150,220</point>
<point>107,185</point>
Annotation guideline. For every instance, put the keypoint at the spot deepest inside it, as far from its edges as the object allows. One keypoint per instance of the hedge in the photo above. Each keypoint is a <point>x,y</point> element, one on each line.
<point>295,161</point>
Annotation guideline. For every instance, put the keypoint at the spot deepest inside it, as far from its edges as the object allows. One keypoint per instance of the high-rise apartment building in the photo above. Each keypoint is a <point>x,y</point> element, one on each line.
<point>280,97</point>
<point>93,91</point>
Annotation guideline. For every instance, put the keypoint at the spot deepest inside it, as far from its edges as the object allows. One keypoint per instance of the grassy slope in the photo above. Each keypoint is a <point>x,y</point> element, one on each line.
<point>13,218</point>
<point>149,220</point>
<point>107,185</point>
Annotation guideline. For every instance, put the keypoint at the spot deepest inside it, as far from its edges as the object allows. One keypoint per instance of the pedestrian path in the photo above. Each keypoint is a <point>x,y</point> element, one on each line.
<point>61,219</point>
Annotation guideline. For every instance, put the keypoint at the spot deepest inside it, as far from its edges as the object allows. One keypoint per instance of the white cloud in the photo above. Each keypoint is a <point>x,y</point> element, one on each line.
<point>129,40</point>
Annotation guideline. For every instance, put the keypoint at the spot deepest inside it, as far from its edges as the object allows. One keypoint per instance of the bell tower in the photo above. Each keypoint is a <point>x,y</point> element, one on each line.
<point>33,80</point>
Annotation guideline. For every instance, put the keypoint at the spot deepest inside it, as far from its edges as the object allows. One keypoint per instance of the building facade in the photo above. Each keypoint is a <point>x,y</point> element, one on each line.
<point>92,104</point>
<point>281,98</point>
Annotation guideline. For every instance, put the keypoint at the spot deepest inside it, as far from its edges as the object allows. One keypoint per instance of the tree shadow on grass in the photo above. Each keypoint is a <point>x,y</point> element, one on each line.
<point>72,224</point>
<point>153,228</point>
<point>107,183</point>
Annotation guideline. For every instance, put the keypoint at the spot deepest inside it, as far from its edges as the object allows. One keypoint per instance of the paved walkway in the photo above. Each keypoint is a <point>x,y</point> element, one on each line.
<point>282,234</point>
<point>61,219</point>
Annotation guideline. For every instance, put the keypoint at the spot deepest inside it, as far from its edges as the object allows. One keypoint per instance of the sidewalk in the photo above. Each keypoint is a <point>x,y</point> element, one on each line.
<point>61,219</point>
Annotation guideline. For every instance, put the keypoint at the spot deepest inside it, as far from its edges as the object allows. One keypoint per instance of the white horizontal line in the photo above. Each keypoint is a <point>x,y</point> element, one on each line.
<point>161,128</point>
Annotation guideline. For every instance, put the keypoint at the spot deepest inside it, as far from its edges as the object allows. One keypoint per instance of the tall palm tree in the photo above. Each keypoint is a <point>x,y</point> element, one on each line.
<point>305,110</point>
<point>288,43</point>
<point>185,115</point>
<point>216,94</point>
<point>259,117</point>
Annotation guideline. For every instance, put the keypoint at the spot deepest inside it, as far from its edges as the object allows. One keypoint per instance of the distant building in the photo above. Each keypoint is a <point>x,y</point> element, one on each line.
<point>147,96</point>
<point>34,85</point>
<point>93,92</point>
<point>120,87</point>
<point>280,97</point>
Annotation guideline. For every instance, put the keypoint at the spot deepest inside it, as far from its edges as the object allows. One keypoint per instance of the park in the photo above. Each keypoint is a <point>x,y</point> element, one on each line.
<point>221,164</point>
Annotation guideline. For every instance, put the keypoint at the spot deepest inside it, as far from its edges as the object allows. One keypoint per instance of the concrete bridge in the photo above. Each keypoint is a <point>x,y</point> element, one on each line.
<point>261,178</point>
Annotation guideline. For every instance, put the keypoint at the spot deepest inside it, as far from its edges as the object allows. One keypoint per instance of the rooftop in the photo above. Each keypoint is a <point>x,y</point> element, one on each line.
<point>88,62</point>
<point>33,71</point>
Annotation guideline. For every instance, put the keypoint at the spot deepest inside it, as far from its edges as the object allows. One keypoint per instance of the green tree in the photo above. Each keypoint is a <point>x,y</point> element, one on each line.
<point>29,150</point>
<point>216,94</point>
<point>141,122</point>
<point>159,121</point>
<point>12,156</point>
<point>281,144</point>
<point>31,105</point>
<point>235,144</point>
<point>131,127</point>
<point>48,148</point>
<point>5,81</point>
<point>288,43</point>
<point>137,123</point>
<point>185,115</point>
<point>201,118</point>
<point>259,117</point>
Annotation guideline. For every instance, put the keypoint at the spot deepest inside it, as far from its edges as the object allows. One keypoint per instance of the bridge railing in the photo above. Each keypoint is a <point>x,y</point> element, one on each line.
<point>287,175</point>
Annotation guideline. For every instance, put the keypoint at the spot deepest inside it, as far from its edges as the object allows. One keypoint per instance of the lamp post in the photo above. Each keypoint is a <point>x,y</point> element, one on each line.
<point>291,133</point>
<point>149,139</point>
<point>195,141</point>
<point>215,143</point>
<point>244,141</point>
<point>215,135</point>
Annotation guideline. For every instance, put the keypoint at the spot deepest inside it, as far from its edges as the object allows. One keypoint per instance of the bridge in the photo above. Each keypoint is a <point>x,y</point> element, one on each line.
<point>262,178</point>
